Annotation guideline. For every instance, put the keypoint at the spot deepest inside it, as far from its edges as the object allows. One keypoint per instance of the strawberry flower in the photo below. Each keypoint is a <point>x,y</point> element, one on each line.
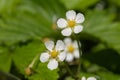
<point>71,49</point>
<point>54,54</point>
<point>71,24</point>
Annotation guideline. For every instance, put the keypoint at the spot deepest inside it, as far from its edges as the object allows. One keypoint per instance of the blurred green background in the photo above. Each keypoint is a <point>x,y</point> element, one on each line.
<point>25,23</point>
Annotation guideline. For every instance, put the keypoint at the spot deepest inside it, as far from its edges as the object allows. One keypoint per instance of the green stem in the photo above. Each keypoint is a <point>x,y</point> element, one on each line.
<point>33,61</point>
<point>69,70</point>
<point>79,62</point>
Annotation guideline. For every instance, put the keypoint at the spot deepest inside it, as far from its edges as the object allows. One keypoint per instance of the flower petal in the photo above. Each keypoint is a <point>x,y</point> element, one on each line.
<point>75,44</point>
<point>44,57</point>
<point>83,78</point>
<point>53,64</point>
<point>59,45</point>
<point>62,56</point>
<point>78,29</point>
<point>69,57</point>
<point>67,41</point>
<point>49,45</point>
<point>91,78</point>
<point>79,18</point>
<point>71,14</point>
<point>62,23</point>
<point>66,32</point>
<point>76,53</point>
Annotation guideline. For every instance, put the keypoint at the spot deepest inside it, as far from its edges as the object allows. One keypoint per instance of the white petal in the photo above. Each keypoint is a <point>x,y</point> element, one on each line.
<point>80,18</point>
<point>67,41</point>
<point>59,45</point>
<point>62,23</point>
<point>44,57</point>
<point>78,29</point>
<point>83,78</point>
<point>66,32</point>
<point>75,44</point>
<point>76,53</point>
<point>91,78</point>
<point>69,57</point>
<point>62,56</point>
<point>53,64</point>
<point>71,14</point>
<point>49,45</point>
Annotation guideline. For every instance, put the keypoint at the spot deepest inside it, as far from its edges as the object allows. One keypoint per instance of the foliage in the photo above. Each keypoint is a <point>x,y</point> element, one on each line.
<point>25,23</point>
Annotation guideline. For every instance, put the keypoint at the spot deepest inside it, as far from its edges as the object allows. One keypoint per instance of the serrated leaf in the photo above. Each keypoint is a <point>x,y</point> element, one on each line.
<point>7,6</point>
<point>78,4</point>
<point>100,25</point>
<point>69,78</point>
<point>116,2</point>
<point>5,60</point>
<point>43,73</point>
<point>108,76</point>
<point>23,56</point>
<point>29,19</point>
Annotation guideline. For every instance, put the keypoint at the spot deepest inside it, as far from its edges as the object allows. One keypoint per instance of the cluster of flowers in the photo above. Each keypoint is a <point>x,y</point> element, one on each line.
<point>67,49</point>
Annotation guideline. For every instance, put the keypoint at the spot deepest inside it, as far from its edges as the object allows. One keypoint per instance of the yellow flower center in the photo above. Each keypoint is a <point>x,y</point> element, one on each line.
<point>54,53</point>
<point>71,48</point>
<point>71,23</point>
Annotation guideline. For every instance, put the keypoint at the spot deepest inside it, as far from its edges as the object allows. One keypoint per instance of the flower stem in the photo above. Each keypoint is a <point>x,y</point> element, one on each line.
<point>28,70</point>
<point>80,53</point>
<point>33,62</point>
<point>79,61</point>
<point>69,70</point>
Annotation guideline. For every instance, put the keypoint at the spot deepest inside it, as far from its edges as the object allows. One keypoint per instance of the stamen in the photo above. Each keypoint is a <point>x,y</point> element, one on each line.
<point>71,23</point>
<point>70,48</point>
<point>54,54</point>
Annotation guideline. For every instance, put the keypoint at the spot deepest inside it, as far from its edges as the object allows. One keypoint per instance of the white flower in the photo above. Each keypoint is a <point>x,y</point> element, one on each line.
<point>71,49</point>
<point>54,54</point>
<point>89,78</point>
<point>72,24</point>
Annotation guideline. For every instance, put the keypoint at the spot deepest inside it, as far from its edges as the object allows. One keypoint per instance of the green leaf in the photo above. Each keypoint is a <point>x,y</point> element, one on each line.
<point>78,4</point>
<point>23,57</point>
<point>116,2</point>
<point>69,78</point>
<point>43,73</point>
<point>5,60</point>
<point>7,6</point>
<point>30,19</point>
<point>100,25</point>
<point>108,76</point>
